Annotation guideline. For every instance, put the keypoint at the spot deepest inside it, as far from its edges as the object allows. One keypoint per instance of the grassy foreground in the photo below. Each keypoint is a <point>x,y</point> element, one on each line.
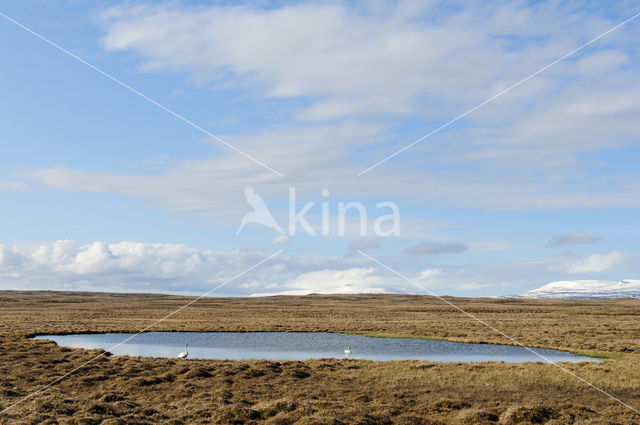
<point>130,390</point>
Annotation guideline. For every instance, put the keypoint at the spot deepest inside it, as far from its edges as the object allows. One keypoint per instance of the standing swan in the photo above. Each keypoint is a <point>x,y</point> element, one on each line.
<point>347,351</point>
<point>184,354</point>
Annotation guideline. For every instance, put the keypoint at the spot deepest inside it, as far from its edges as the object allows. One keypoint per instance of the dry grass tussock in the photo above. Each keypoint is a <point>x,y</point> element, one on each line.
<point>133,390</point>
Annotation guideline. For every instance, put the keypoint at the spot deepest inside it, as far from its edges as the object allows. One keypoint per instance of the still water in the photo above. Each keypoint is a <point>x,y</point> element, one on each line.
<point>303,345</point>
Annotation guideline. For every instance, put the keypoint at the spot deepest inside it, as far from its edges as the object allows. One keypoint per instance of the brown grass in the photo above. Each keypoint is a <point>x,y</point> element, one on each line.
<point>130,390</point>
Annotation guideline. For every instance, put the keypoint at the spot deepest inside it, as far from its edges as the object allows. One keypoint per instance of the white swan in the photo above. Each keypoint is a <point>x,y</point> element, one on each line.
<point>184,354</point>
<point>347,351</point>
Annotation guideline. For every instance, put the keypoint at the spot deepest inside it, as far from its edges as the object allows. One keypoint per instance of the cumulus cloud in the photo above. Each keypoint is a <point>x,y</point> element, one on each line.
<point>575,238</point>
<point>429,273</point>
<point>176,268</point>
<point>348,281</point>
<point>597,262</point>
<point>437,247</point>
<point>124,266</point>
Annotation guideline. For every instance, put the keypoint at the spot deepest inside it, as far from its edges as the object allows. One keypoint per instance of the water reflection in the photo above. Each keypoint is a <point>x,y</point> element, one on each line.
<point>302,346</point>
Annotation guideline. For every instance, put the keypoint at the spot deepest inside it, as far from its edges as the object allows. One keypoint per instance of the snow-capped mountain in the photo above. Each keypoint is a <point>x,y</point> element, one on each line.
<point>586,289</point>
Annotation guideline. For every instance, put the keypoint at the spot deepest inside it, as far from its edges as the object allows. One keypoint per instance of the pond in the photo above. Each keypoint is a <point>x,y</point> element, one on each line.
<point>302,346</point>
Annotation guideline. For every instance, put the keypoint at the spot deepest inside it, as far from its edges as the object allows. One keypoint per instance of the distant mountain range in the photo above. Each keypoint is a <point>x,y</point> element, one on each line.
<point>586,289</point>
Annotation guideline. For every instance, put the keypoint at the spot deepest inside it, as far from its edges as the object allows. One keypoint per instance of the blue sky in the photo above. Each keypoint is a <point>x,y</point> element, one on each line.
<point>102,190</point>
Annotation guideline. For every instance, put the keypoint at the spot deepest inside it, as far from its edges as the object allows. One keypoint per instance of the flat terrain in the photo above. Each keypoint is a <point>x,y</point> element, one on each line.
<point>130,390</point>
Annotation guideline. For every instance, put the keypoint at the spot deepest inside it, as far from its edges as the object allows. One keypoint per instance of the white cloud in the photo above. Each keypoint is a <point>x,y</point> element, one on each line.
<point>475,285</point>
<point>597,262</point>
<point>174,268</point>
<point>281,240</point>
<point>429,273</point>
<point>13,186</point>
<point>348,281</point>
<point>309,50</point>
<point>368,68</point>
<point>124,266</point>
<point>365,60</point>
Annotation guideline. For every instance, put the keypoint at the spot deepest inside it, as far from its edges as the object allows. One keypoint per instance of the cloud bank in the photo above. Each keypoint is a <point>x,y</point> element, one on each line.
<point>174,268</point>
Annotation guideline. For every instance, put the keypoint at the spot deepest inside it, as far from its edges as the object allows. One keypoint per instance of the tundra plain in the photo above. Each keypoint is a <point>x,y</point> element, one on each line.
<point>135,390</point>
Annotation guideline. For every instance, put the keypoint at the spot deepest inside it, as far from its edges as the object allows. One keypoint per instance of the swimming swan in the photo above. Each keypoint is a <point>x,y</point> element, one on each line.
<point>184,354</point>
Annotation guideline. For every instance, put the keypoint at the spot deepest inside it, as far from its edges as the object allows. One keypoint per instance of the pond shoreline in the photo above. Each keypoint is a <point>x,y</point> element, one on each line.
<point>602,355</point>
<point>282,346</point>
